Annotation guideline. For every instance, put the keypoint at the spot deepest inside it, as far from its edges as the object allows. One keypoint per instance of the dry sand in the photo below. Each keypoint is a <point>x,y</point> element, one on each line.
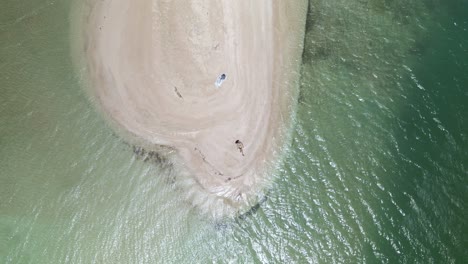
<point>152,66</point>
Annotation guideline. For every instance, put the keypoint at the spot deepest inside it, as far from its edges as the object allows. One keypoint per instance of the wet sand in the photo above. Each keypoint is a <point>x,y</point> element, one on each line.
<point>152,68</point>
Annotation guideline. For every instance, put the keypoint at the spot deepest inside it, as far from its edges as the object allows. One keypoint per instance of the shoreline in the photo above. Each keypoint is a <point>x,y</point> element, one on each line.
<point>152,69</point>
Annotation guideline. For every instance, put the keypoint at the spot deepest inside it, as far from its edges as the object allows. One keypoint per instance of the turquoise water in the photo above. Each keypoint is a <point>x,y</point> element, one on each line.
<point>376,173</point>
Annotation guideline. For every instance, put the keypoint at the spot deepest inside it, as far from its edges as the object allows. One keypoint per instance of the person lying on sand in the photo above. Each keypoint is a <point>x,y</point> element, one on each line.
<point>240,146</point>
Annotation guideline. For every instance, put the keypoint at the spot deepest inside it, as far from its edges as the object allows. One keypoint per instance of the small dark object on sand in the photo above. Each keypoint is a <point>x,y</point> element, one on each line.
<point>220,80</point>
<point>240,146</point>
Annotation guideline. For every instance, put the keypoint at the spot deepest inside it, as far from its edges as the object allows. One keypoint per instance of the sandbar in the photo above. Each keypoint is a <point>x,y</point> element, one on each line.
<point>155,69</point>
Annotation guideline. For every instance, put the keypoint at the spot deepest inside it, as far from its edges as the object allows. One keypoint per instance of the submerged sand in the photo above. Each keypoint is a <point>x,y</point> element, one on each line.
<point>153,65</point>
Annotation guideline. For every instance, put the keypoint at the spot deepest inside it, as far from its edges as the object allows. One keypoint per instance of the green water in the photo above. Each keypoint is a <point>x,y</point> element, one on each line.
<point>377,171</point>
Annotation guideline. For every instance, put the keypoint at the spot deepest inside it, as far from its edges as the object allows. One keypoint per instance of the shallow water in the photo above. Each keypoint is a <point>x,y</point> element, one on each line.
<point>377,171</point>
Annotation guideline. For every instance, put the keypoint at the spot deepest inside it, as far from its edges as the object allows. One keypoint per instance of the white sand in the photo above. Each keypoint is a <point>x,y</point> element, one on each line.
<point>153,67</point>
